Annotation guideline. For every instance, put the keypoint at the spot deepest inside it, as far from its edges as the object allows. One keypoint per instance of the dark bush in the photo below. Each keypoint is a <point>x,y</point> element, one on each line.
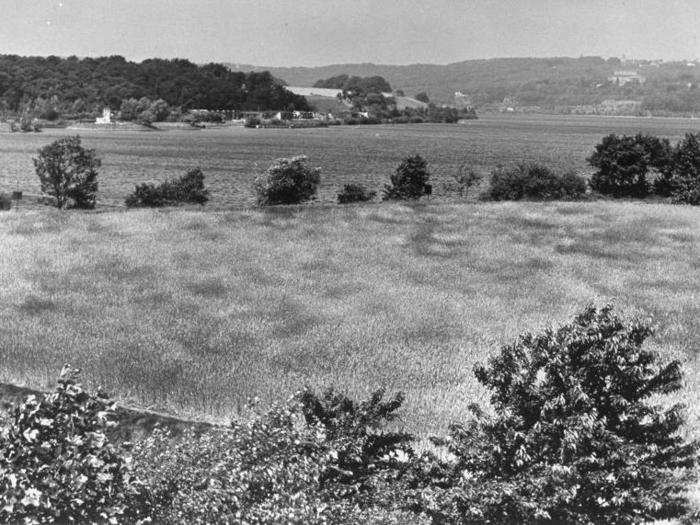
<point>534,182</point>
<point>57,465</point>
<point>684,178</point>
<point>187,189</point>
<point>576,436</point>
<point>411,180</point>
<point>5,202</point>
<point>68,173</point>
<point>355,193</point>
<point>624,162</point>
<point>287,181</point>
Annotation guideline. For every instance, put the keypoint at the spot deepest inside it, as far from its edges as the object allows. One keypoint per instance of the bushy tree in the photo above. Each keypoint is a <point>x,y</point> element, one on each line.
<point>624,162</point>
<point>5,202</point>
<point>68,173</point>
<point>57,465</point>
<point>578,435</point>
<point>411,180</point>
<point>287,181</point>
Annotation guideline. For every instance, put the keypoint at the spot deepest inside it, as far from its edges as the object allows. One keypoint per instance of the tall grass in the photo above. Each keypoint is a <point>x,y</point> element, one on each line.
<point>195,312</point>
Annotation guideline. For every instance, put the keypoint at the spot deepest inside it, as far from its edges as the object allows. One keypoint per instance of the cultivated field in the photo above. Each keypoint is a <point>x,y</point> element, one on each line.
<point>231,157</point>
<point>194,312</point>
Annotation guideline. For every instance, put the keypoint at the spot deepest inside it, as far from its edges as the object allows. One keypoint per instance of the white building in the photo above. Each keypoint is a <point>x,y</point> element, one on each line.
<point>106,117</point>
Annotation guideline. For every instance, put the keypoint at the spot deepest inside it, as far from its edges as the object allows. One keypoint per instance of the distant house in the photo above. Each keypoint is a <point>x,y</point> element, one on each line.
<point>624,77</point>
<point>106,117</point>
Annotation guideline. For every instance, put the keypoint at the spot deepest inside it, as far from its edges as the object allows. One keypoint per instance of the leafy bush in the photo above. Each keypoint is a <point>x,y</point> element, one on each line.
<point>68,173</point>
<point>287,181</point>
<point>57,465</point>
<point>355,193</point>
<point>575,437</point>
<point>187,189</point>
<point>535,182</point>
<point>5,202</point>
<point>684,173</point>
<point>411,180</point>
<point>624,162</point>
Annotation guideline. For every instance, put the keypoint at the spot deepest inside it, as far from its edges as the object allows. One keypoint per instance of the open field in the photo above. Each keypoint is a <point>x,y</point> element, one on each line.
<point>194,312</point>
<point>231,157</point>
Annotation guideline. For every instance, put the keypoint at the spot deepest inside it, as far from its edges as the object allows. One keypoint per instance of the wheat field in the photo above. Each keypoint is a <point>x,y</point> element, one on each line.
<point>195,312</point>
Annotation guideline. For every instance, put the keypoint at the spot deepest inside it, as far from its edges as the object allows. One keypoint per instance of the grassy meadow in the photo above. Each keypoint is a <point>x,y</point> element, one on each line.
<point>194,312</point>
<point>231,157</point>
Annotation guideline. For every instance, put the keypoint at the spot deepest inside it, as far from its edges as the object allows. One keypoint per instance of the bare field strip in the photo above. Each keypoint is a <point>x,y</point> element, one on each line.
<point>194,312</point>
<point>231,157</point>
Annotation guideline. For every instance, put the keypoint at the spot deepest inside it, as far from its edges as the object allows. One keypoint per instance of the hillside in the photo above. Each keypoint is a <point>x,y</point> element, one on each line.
<point>557,84</point>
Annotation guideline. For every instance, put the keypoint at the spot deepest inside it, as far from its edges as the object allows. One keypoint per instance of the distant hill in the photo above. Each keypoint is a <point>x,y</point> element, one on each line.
<point>552,84</point>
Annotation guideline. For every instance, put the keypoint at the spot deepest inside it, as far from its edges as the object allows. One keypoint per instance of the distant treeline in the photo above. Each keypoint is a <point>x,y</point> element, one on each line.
<point>73,85</point>
<point>557,84</point>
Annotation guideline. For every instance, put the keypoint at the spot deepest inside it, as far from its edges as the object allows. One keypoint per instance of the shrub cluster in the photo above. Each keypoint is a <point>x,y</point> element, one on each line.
<point>355,193</point>
<point>577,435</point>
<point>625,163</point>
<point>187,189</point>
<point>535,182</point>
<point>287,181</point>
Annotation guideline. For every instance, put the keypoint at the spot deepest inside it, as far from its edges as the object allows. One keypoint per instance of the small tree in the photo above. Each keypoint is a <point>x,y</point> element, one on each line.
<point>410,180</point>
<point>287,181</point>
<point>68,173</point>
<point>623,164</point>
<point>576,436</point>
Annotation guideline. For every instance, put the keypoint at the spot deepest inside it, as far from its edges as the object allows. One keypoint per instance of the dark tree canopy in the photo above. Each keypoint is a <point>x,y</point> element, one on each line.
<point>356,85</point>
<point>72,84</point>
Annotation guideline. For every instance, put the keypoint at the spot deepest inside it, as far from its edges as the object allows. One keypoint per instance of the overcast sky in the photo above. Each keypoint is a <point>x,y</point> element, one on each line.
<point>317,32</point>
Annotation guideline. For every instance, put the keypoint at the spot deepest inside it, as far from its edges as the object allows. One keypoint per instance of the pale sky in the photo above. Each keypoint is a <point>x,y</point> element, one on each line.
<point>318,32</point>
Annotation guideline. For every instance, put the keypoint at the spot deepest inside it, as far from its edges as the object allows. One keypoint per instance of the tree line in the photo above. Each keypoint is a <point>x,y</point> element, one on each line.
<point>75,86</point>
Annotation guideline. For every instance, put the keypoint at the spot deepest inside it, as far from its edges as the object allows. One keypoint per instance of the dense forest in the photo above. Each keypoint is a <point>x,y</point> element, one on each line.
<point>78,86</point>
<point>550,84</point>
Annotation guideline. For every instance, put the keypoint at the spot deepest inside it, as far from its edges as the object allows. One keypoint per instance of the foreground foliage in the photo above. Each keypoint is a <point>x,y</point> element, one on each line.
<point>57,465</point>
<point>576,436</point>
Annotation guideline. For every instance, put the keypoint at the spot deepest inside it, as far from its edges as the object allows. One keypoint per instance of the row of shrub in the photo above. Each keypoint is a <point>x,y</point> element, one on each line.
<point>578,433</point>
<point>68,172</point>
<point>625,164</point>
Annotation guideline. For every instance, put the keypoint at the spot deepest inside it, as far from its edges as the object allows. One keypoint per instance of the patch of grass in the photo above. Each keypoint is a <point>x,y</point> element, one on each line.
<point>168,318</point>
